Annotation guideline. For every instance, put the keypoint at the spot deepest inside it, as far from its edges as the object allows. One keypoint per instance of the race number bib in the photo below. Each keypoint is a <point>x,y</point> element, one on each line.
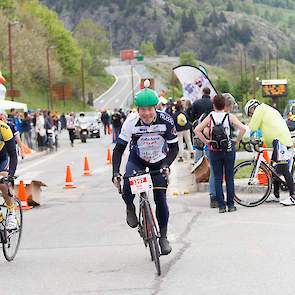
<point>140,184</point>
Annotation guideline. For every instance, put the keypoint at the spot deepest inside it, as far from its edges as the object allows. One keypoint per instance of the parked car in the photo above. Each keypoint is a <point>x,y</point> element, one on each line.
<point>289,115</point>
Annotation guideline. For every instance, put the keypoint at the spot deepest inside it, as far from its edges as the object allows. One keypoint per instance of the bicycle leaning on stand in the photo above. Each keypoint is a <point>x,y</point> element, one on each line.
<point>254,178</point>
<point>10,239</point>
<point>141,185</point>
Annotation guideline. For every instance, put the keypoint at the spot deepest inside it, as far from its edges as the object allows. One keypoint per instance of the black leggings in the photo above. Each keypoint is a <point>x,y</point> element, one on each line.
<point>72,135</point>
<point>284,170</point>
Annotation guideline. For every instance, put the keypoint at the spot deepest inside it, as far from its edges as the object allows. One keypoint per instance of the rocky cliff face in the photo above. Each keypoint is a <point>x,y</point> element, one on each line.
<point>213,41</point>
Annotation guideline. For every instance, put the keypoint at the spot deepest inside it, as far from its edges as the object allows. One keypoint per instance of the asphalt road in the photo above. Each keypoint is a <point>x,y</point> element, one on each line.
<point>120,95</point>
<point>77,241</point>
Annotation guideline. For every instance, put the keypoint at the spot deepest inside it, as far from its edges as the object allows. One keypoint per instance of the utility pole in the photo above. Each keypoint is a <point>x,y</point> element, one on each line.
<point>269,64</point>
<point>49,78</point>
<point>132,84</point>
<point>83,83</point>
<point>173,85</point>
<point>11,58</point>
<point>111,42</point>
<point>254,81</point>
<point>246,76</point>
<point>265,68</point>
<point>277,59</point>
<point>241,70</point>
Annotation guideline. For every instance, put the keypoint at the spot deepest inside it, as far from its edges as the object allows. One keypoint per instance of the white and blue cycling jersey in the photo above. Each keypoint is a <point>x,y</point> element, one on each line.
<point>149,142</point>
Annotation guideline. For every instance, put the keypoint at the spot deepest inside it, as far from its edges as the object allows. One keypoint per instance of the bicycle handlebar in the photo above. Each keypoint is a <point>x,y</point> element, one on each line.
<point>256,144</point>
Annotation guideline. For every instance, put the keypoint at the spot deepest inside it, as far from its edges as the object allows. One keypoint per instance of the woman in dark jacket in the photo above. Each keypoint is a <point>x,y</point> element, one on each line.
<point>27,129</point>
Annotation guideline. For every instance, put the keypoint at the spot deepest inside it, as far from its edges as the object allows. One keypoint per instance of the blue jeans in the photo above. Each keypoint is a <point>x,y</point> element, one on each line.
<point>116,133</point>
<point>212,191</point>
<point>159,183</point>
<point>198,156</point>
<point>224,162</point>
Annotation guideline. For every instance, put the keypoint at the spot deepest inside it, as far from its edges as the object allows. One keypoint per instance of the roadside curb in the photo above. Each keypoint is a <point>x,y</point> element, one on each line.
<point>182,181</point>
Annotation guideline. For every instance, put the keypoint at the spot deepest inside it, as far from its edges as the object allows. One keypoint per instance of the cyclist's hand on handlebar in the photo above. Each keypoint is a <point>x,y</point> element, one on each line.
<point>117,177</point>
<point>165,171</point>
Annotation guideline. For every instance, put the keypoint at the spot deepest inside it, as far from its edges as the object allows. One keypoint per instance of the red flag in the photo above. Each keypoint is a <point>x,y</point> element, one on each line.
<point>163,92</point>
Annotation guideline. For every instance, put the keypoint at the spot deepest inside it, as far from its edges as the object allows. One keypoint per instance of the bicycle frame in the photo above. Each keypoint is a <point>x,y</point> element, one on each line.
<point>259,160</point>
<point>143,200</point>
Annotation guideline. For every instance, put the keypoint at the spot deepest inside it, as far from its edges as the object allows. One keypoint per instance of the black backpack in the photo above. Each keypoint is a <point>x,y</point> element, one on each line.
<point>219,138</point>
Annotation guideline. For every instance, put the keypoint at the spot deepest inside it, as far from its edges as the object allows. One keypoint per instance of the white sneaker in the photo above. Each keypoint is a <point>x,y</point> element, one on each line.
<point>288,202</point>
<point>272,198</point>
<point>11,222</point>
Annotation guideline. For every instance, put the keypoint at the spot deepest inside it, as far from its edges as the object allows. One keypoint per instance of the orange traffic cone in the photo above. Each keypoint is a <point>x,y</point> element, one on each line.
<point>262,179</point>
<point>86,168</point>
<point>109,158</point>
<point>22,195</point>
<point>265,155</point>
<point>69,181</point>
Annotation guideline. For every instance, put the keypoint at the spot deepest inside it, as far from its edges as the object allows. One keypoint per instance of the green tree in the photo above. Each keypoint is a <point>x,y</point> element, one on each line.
<point>229,6</point>
<point>187,58</point>
<point>5,4</point>
<point>68,52</point>
<point>192,21</point>
<point>147,48</point>
<point>92,37</point>
<point>160,42</point>
<point>224,86</point>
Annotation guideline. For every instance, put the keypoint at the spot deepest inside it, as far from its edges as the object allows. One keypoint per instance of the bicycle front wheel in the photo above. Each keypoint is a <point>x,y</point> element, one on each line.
<point>12,238</point>
<point>251,190</point>
<point>152,238</point>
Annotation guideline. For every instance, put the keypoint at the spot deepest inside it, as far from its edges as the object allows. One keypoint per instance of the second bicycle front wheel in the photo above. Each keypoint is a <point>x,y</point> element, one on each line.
<point>250,190</point>
<point>13,237</point>
<point>152,239</point>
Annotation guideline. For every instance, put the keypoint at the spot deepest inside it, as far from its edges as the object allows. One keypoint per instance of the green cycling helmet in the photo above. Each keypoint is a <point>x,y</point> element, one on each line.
<point>146,98</point>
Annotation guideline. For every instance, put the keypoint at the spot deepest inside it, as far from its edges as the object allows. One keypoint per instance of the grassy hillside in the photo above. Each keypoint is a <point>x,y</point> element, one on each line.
<point>39,28</point>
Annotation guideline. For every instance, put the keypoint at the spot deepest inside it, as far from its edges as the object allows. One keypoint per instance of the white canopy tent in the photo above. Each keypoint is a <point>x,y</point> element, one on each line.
<point>7,105</point>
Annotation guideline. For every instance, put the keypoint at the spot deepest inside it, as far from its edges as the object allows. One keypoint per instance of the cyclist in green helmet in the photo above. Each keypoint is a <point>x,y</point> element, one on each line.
<point>153,144</point>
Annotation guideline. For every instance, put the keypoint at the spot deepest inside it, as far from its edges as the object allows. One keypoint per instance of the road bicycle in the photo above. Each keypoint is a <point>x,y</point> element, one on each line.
<point>10,239</point>
<point>141,185</point>
<point>254,178</point>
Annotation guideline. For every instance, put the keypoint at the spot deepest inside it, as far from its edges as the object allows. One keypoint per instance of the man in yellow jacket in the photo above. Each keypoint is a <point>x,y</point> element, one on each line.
<point>276,134</point>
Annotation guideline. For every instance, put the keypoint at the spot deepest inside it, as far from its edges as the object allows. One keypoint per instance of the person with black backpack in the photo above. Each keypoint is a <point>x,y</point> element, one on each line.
<point>221,149</point>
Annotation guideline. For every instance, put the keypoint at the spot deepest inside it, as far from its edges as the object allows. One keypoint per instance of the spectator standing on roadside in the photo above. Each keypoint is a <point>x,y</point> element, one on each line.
<point>123,116</point>
<point>182,125</point>
<point>71,128</point>
<point>230,104</point>
<point>105,119</point>
<point>40,130</point>
<point>12,115</point>
<point>222,160</point>
<point>201,106</point>
<point>18,123</point>
<point>117,124</point>
<point>27,129</point>
<point>63,121</point>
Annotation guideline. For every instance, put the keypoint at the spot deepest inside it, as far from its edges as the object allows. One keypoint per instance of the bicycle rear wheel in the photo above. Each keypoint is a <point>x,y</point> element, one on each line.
<point>251,191</point>
<point>12,238</point>
<point>152,238</point>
